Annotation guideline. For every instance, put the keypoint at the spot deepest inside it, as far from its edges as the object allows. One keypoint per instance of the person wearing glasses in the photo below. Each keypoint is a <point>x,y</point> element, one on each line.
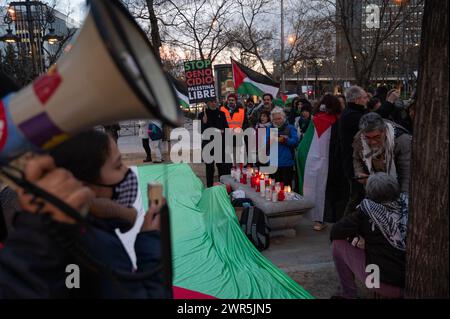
<point>382,146</point>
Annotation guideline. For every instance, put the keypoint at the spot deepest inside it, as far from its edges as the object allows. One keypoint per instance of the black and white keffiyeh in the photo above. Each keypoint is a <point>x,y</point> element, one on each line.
<point>125,192</point>
<point>391,218</point>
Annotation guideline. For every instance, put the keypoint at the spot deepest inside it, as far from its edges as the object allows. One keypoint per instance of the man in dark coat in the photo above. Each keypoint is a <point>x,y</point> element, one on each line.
<point>357,100</point>
<point>214,118</point>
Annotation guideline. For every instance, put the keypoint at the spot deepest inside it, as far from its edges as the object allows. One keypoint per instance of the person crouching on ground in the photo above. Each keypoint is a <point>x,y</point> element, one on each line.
<point>375,234</point>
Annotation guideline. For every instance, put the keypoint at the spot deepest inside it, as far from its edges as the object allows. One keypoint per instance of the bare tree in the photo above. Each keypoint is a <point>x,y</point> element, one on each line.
<point>427,271</point>
<point>311,37</point>
<point>200,26</point>
<point>152,15</point>
<point>253,35</point>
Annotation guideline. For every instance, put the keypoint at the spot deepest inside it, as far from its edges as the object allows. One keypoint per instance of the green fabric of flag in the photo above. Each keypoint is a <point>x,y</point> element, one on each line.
<point>211,254</point>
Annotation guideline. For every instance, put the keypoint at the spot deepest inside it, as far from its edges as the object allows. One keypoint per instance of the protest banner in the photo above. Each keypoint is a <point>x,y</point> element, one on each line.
<point>199,81</point>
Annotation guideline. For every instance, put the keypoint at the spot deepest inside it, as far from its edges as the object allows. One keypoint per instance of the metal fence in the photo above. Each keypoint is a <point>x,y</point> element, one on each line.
<point>129,128</point>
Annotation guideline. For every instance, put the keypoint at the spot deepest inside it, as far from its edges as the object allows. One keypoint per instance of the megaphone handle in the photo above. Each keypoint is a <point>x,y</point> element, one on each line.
<point>166,249</point>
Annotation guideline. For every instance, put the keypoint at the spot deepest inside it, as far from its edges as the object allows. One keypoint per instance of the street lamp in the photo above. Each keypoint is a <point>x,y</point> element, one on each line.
<point>52,37</point>
<point>291,39</point>
<point>9,37</point>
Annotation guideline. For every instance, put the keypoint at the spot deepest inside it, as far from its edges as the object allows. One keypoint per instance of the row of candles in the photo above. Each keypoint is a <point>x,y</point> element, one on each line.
<point>268,187</point>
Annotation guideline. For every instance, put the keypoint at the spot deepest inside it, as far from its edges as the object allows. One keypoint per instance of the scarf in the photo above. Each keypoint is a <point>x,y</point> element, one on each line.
<point>391,218</point>
<point>388,148</point>
<point>266,125</point>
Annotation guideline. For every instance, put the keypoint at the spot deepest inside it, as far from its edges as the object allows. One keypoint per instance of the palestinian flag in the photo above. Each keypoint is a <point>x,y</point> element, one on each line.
<point>181,91</point>
<point>312,162</point>
<point>211,255</point>
<point>247,81</point>
<point>285,99</point>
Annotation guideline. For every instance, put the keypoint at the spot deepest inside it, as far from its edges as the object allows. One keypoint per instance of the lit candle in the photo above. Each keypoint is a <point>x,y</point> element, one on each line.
<point>288,189</point>
<point>257,185</point>
<point>262,187</point>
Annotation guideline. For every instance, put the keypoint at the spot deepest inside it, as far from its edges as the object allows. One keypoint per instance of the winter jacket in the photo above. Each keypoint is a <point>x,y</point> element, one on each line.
<point>397,114</point>
<point>35,256</point>
<point>402,156</point>
<point>285,151</point>
<point>143,128</point>
<point>215,119</point>
<point>378,250</point>
<point>301,124</point>
<point>348,127</point>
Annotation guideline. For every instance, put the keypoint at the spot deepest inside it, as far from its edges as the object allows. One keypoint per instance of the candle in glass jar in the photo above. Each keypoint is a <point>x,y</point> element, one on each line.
<point>281,196</point>
<point>257,185</point>
<point>268,194</point>
<point>277,187</point>
<point>262,187</point>
<point>274,196</point>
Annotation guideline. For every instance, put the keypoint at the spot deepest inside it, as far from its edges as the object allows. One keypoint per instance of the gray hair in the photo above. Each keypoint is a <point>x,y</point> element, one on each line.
<point>382,187</point>
<point>277,110</point>
<point>371,121</point>
<point>353,93</point>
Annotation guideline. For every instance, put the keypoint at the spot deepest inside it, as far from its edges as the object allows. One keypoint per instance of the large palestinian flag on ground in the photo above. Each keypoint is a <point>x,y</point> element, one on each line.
<point>211,255</point>
<point>312,162</point>
<point>181,91</point>
<point>247,81</point>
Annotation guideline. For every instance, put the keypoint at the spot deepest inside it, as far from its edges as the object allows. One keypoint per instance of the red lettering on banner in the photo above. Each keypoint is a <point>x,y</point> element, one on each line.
<point>3,126</point>
<point>46,85</point>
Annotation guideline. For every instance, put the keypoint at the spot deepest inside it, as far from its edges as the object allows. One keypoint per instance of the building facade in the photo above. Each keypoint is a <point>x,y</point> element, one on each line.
<point>38,31</point>
<point>393,27</point>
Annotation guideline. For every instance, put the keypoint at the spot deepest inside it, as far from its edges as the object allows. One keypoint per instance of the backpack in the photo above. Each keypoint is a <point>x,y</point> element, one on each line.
<point>254,224</point>
<point>154,132</point>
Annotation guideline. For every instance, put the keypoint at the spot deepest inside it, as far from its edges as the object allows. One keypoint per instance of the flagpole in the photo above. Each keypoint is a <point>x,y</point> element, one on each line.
<point>283,78</point>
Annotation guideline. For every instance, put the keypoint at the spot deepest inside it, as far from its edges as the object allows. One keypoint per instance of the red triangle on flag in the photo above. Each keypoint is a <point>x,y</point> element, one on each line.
<point>238,75</point>
<point>283,97</point>
<point>323,121</point>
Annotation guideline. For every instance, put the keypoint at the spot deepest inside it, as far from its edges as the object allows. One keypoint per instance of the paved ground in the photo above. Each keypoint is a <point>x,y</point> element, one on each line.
<point>305,256</point>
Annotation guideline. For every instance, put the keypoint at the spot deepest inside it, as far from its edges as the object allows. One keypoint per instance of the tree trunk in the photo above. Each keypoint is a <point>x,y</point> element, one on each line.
<point>427,265</point>
<point>156,37</point>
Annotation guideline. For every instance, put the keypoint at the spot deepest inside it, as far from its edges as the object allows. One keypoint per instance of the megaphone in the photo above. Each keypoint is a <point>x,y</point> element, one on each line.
<point>108,73</point>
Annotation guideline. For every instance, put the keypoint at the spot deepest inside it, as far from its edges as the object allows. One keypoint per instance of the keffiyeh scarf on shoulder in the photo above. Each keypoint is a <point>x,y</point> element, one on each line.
<point>391,218</point>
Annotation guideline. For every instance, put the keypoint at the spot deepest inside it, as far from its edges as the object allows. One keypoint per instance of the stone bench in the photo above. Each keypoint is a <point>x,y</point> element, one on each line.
<point>281,215</point>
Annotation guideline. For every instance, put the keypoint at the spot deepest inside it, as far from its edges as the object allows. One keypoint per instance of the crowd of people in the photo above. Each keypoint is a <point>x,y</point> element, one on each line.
<point>365,194</point>
<point>366,158</point>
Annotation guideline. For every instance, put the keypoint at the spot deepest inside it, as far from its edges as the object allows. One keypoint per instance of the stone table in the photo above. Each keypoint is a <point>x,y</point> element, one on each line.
<point>281,215</point>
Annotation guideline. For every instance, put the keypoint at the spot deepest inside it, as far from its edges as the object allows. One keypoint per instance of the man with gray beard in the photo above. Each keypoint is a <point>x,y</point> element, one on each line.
<point>382,146</point>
